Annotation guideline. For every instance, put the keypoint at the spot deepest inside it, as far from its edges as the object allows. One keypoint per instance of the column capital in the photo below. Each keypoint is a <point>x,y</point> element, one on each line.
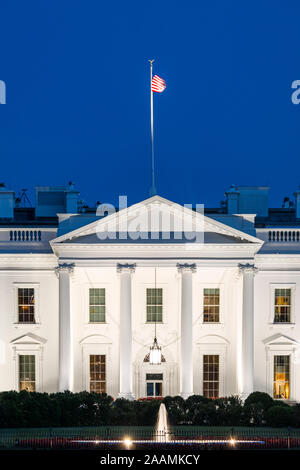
<point>247,268</point>
<point>128,268</point>
<point>64,267</point>
<point>186,267</point>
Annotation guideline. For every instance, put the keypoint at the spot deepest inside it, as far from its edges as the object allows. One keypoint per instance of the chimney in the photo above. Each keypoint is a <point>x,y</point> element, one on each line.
<point>232,200</point>
<point>297,196</point>
<point>7,202</point>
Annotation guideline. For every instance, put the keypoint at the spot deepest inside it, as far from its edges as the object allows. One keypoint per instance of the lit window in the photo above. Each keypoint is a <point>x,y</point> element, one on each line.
<point>154,383</point>
<point>281,387</point>
<point>27,373</point>
<point>26,305</point>
<point>154,305</point>
<point>211,305</point>
<point>211,376</point>
<point>282,312</point>
<point>97,305</point>
<point>98,373</point>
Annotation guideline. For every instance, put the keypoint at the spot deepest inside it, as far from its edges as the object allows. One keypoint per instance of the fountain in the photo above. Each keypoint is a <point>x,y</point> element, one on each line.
<point>162,428</point>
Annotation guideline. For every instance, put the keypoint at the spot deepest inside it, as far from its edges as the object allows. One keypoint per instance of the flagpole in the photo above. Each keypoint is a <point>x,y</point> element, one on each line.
<point>153,189</point>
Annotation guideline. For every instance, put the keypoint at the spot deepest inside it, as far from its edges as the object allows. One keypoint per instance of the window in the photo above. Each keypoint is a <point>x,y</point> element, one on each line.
<point>27,373</point>
<point>154,384</point>
<point>211,376</point>
<point>281,386</point>
<point>211,305</point>
<point>154,305</point>
<point>97,305</point>
<point>282,313</point>
<point>26,306</point>
<point>98,373</point>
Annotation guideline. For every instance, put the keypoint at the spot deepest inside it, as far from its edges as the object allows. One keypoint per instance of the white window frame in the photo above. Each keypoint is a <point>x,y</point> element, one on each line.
<point>201,287</point>
<point>86,300</point>
<point>210,349</point>
<point>154,382</point>
<point>30,350</point>
<point>281,350</point>
<point>93,345</point>
<point>164,288</point>
<point>282,285</point>
<point>37,316</point>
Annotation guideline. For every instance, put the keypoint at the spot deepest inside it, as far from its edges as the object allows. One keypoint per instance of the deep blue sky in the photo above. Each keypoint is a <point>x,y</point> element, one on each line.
<point>78,97</point>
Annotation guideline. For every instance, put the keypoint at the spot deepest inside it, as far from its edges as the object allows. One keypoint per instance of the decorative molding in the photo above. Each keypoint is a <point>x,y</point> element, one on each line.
<point>186,267</point>
<point>129,268</point>
<point>64,267</point>
<point>247,269</point>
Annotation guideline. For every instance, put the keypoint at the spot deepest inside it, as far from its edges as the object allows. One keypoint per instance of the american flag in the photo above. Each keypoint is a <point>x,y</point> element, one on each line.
<point>158,84</point>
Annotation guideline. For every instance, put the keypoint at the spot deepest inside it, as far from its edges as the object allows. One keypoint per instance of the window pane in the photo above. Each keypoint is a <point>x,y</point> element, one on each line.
<point>27,373</point>
<point>281,386</point>
<point>211,305</point>
<point>150,389</point>
<point>97,373</point>
<point>26,305</point>
<point>211,376</point>
<point>282,313</point>
<point>158,389</point>
<point>97,305</point>
<point>154,299</point>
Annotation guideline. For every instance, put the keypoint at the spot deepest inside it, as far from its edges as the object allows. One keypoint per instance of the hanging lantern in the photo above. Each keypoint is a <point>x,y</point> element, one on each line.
<point>155,353</point>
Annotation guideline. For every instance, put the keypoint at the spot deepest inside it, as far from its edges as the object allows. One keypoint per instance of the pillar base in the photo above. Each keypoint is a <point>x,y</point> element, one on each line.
<point>186,395</point>
<point>127,396</point>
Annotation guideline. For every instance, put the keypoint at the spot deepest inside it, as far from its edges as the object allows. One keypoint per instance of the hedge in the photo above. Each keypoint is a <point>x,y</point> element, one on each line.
<point>23,409</point>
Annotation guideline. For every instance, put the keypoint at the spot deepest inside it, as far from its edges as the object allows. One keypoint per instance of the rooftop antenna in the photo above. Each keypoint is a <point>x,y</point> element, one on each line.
<point>24,199</point>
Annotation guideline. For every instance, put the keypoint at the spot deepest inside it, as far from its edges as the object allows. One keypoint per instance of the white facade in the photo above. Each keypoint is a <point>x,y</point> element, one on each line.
<point>242,265</point>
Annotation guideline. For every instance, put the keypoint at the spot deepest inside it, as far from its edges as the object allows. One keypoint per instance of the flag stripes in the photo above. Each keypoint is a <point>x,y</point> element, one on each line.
<point>158,84</point>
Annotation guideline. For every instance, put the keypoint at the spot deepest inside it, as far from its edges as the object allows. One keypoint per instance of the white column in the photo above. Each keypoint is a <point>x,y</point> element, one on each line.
<point>63,272</point>
<point>248,272</point>
<point>125,271</point>
<point>186,364</point>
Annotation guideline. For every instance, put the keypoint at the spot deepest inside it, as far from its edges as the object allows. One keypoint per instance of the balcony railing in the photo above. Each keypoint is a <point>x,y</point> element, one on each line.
<point>284,236</point>
<point>25,235</point>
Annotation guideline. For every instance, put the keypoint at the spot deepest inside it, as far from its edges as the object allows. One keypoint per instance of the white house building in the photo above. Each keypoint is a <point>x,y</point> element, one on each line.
<point>84,293</point>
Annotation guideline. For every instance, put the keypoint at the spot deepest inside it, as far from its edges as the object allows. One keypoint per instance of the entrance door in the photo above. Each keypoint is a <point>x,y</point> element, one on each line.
<point>154,385</point>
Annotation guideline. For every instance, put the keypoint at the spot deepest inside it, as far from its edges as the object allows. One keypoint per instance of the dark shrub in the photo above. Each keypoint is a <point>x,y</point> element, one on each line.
<point>194,406</point>
<point>124,413</point>
<point>255,408</point>
<point>176,408</point>
<point>259,397</point>
<point>229,411</point>
<point>280,416</point>
<point>296,415</point>
<point>204,414</point>
<point>147,412</point>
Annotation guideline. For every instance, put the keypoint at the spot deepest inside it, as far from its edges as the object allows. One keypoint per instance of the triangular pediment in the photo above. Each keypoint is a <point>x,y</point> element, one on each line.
<point>156,220</point>
<point>28,338</point>
<point>279,339</point>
